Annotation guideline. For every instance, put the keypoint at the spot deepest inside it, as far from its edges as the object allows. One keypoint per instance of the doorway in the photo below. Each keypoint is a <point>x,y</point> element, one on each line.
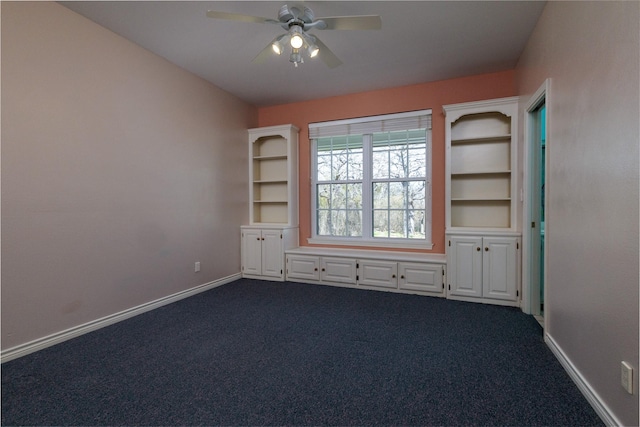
<point>535,204</point>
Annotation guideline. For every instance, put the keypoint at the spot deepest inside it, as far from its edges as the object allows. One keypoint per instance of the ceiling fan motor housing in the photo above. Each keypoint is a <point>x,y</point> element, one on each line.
<point>289,16</point>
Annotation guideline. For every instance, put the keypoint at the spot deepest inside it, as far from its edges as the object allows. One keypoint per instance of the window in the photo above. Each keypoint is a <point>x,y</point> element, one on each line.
<point>371,181</point>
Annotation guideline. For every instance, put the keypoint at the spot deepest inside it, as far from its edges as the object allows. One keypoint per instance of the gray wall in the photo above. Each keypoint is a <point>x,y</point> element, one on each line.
<point>119,171</point>
<point>590,50</point>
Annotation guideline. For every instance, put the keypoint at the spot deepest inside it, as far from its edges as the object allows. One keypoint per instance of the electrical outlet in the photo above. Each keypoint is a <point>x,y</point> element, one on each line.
<point>626,377</point>
<point>197,268</point>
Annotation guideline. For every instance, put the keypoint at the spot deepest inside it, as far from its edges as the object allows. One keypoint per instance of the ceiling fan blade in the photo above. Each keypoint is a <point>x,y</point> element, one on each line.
<point>363,22</point>
<point>265,53</point>
<point>325,54</point>
<point>240,18</point>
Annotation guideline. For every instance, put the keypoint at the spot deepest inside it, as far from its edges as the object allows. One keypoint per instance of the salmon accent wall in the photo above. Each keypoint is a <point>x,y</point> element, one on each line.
<point>432,95</point>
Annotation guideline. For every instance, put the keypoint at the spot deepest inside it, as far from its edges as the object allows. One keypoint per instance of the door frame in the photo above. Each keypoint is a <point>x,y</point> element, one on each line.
<point>529,289</point>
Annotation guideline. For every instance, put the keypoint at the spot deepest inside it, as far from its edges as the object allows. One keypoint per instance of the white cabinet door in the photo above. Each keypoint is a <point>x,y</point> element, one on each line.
<point>252,252</point>
<point>415,276</point>
<point>499,268</point>
<point>303,267</point>
<point>339,270</point>
<point>465,266</point>
<point>378,273</point>
<point>272,253</point>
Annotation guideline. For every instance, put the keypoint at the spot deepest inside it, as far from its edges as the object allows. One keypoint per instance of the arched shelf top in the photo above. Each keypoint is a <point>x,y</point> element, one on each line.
<point>505,106</point>
<point>282,131</point>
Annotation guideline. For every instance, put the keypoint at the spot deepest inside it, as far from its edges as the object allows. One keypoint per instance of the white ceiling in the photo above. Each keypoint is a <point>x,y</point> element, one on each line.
<point>420,41</point>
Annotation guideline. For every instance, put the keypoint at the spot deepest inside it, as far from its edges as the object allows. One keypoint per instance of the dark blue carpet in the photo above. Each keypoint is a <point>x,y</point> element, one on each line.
<point>263,353</point>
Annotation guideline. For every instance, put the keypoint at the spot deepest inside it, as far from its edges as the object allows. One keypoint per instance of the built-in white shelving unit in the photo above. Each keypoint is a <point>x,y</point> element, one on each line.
<point>483,245</point>
<point>273,201</point>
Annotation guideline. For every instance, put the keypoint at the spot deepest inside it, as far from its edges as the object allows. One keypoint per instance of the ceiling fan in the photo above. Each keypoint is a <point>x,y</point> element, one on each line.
<point>297,21</point>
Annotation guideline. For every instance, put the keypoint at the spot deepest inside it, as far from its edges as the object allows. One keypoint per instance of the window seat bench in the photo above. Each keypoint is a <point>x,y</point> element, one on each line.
<point>404,272</point>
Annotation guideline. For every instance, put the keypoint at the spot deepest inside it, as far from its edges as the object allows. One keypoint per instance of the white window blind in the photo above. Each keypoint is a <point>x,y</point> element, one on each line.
<point>368,125</point>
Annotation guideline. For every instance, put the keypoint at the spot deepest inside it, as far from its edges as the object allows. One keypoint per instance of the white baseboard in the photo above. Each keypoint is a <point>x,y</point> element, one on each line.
<point>58,337</point>
<point>589,393</point>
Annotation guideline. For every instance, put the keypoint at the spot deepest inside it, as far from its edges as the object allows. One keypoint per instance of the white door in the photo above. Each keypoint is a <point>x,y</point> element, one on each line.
<point>251,252</point>
<point>415,276</point>
<point>378,273</point>
<point>272,253</point>
<point>499,268</point>
<point>303,267</point>
<point>464,260</point>
<point>339,270</point>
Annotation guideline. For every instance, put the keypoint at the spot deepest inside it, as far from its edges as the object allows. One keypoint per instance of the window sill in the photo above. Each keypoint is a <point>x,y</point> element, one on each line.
<point>404,244</point>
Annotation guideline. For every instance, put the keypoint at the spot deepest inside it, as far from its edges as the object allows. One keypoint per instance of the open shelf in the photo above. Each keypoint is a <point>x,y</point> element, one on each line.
<point>481,213</point>
<point>279,157</point>
<point>480,140</point>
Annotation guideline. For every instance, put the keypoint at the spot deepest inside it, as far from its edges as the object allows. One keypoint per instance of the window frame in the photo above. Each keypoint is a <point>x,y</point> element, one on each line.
<point>367,239</point>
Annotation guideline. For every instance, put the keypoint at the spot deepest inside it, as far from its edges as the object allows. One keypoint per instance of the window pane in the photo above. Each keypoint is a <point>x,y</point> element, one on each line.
<point>417,163</point>
<point>338,196</point>
<point>398,138</point>
<point>354,224</point>
<point>323,145</point>
<point>397,195</point>
<point>398,164</point>
<point>354,196</point>
<point>380,195</point>
<point>416,136</point>
<point>416,224</point>
<point>380,223</point>
<point>338,222</point>
<point>339,166</point>
<point>355,165</point>
<point>324,168</point>
<point>323,192</point>
<point>323,227</point>
<point>397,224</point>
<point>380,165</point>
<point>416,195</point>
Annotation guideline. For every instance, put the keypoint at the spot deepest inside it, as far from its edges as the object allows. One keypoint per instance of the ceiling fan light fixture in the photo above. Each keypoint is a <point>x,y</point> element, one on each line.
<point>297,36</point>
<point>278,44</point>
<point>277,47</point>
<point>313,50</point>
<point>296,42</point>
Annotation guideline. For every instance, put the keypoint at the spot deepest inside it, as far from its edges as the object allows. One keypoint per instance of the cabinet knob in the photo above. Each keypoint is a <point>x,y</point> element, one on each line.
<point>315,269</point>
<point>486,249</point>
<point>478,249</point>
<point>402,276</point>
<point>257,238</point>
<point>323,269</point>
<point>393,276</point>
<point>262,238</point>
